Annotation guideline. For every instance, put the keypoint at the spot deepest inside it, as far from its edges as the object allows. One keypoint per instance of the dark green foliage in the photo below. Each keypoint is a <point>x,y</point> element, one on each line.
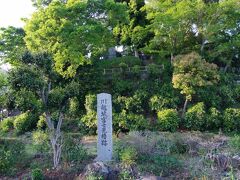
<point>168,120</point>
<point>90,118</point>
<point>123,67</point>
<point>122,86</point>
<point>129,121</point>
<point>195,117</point>
<point>133,32</point>
<point>74,107</point>
<point>154,71</point>
<point>12,44</point>
<point>222,96</point>
<point>231,119</point>
<point>37,174</point>
<point>114,62</point>
<point>26,100</point>
<point>11,153</point>
<point>27,77</point>
<point>25,122</point>
<point>135,104</point>
<point>214,119</point>
<point>167,97</point>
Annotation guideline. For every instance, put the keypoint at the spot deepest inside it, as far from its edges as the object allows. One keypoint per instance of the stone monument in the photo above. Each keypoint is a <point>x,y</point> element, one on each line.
<point>104,125</point>
<point>112,53</point>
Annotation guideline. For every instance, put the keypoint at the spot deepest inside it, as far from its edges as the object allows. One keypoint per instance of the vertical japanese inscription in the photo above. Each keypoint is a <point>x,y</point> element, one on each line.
<point>103,119</point>
<point>104,112</point>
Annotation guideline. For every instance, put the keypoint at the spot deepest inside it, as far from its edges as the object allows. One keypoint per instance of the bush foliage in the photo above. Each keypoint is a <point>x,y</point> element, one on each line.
<point>6,124</point>
<point>25,122</point>
<point>168,120</point>
<point>195,117</point>
<point>231,119</point>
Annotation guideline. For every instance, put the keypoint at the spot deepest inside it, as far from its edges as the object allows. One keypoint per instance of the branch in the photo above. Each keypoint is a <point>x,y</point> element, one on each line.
<point>59,124</point>
<point>49,122</point>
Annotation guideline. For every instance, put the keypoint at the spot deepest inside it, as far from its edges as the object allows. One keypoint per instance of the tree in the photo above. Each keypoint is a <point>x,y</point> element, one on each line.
<point>42,3</point>
<point>12,44</point>
<point>171,23</point>
<point>3,91</point>
<point>39,88</point>
<point>217,26</point>
<point>133,33</point>
<point>72,31</point>
<point>192,72</point>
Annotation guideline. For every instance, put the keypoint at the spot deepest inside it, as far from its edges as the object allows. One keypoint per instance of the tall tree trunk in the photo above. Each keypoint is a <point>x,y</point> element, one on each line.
<point>172,57</point>
<point>55,138</point>
<point>136,54</point>
<point>1,118</point>
<point>55,135</point>
<point>228,64</point>
<point>174,47</point>
<point>184,108</point>
<point>226,68</point>
<point>202,46</point>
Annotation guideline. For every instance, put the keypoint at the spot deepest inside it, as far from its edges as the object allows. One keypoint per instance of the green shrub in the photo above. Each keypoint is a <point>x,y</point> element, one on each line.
<point>37,174</point>
<point>154,70</point>
<point>214,119</point>
<point>195,117</point>
<point>26,100</point>
<point>25,122</point>
<point>41,141</point>
<point>11,153</point>
<point>123,66</point>
<point>137,103</point>
<point>128,156</point>
<point>73,106</point>
<point>41,124</point>
<point>136,70</point>
<point>231,119</point>
<point>129,121</point>
<point>90,118</point>
<point>168,120</point>
<point>73,150</point>
<point>166,98</point>
<point>6,124</point>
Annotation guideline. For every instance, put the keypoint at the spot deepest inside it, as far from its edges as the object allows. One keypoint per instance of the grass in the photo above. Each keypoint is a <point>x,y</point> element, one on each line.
<point>188,155</point>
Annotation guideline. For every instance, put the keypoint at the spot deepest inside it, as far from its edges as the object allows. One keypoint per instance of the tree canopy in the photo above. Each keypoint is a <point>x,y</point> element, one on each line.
<point>192,72</point>
<point>73,31</point>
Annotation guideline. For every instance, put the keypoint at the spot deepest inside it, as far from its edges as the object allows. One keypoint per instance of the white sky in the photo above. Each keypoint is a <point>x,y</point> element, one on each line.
<point>11,12</point>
